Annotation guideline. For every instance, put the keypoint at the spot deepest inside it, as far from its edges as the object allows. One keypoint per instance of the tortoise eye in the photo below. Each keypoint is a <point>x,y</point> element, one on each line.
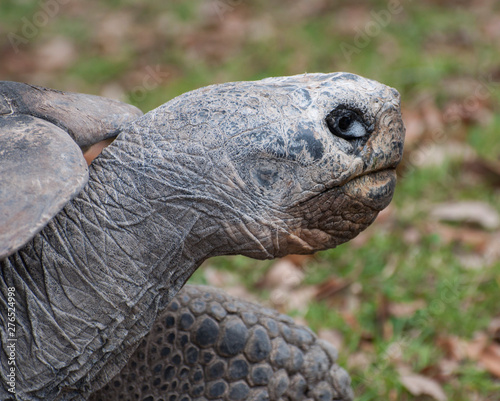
<point>346,124</point>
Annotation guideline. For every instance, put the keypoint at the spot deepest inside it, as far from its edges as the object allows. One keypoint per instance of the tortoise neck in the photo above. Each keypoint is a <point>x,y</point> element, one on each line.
<point>100,271</point>
<point>98,274</point>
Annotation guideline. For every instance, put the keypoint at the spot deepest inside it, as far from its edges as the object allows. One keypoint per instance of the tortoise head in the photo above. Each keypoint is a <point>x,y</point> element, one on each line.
<point>323,164</point>
<point>295,164</point>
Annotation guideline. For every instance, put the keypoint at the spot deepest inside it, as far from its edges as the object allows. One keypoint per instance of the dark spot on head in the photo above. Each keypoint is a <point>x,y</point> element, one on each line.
<point>266,177</point>
<point>304,140</point>
<point>302,97</point>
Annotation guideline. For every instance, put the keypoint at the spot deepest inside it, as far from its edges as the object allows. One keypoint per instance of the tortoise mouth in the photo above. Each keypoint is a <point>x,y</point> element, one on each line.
<point>374,189</point>
<point>338,214</point>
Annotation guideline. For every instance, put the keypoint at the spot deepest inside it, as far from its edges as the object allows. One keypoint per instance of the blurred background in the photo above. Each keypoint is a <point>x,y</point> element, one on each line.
<point>413,303</point>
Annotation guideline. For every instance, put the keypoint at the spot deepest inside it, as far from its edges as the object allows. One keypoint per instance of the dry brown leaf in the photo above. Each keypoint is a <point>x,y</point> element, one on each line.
<point>454,347</point>
<point>283,274</point>
<point>484,351</point>
<point>470,212</point>
<point>421,385</point>
<point>471,261</point>
<point>219,278</point>
<point>494,329</point>
<point>491,28</point>
<point>299,260</point>
<point>352,18</point>
<point>222,36</point>
<point>113,32</point>
<point>331,287</point>
<point>412,236</point>
<point>476,346</point>
<point>468,105</point>
<point>382,316</point>
<point>240,291</point>
<point>475,238</point>
<point>298,300</point>
<point>415,127</point>
<point>490,358</point>
<point>447,368</point>
<point>307,8</point>
<point>489,170</point>
<point>359,360</point>
<point>333,336</point>
<point>437,154</point>
<point>351,320</point>
<point>431,115</point>
<point>56,54</point>
<point>405,309</point>
<point>492,250</point>
<point>113,90</point>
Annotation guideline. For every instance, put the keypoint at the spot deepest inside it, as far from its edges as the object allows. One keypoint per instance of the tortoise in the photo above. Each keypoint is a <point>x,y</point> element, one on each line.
<point>92,260</point>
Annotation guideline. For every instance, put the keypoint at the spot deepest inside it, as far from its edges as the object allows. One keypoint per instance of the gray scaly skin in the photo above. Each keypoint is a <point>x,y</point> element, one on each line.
<point>253,168</point>
<point>209,345</point>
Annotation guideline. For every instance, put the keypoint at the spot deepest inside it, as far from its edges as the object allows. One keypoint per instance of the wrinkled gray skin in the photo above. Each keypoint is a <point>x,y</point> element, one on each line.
<point>245,168</point>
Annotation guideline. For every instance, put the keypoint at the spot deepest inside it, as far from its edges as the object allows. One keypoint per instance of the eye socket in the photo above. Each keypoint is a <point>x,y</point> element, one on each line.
<point>346,124</point>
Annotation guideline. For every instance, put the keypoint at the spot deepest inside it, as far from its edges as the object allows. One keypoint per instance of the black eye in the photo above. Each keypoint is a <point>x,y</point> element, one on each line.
<point>346,124</point>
